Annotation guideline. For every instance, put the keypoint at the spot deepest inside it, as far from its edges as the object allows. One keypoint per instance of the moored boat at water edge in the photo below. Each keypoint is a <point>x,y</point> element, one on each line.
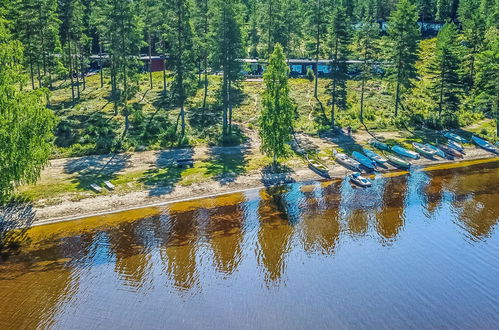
<point>456,146</point>
<point>379,145</point>
<point>438,151</point>
<point>359,180</point>
<point>364,160</point>
<point>484,144</point>
<point>455,137</point>
<point>423,149</point>
<point>405,152</point>
<point>318,167</point>
<point>374,156</point>
<point>346,161</point>
<point>451,153</point>
<point>398,161</point>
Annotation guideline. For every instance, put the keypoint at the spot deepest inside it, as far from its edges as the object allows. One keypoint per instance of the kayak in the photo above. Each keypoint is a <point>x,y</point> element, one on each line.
<point>405,152</point>
<point>455,137</point>
<point>346,161</point>
<point>359,180</point>
<point>318,167</point>
<point>374,156</point>
<point>450,152</point>
<point>379,145</point>
<point>365,161</point>
<point>398,162</point>
<point>438,151</point>
<point>424,150</point>
<point>456,146</point>
<point>484,144</point>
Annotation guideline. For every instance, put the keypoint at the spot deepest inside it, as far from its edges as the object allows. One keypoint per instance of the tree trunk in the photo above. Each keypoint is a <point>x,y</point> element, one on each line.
<point>440,103</point>
<point>397,98</point>
<point>269,45</point>
<point>150,59</point>
<point>76,71</point>
<point>164,75</point>
<point>317,49</point>
<point>100,65</point>
<point>362,99</point>
<point>82,68</point>
<point>230,107</point>
<point>71,72</point>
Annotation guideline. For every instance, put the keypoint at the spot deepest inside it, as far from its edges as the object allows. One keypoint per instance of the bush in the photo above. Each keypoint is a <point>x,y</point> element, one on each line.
<point>310,74</point>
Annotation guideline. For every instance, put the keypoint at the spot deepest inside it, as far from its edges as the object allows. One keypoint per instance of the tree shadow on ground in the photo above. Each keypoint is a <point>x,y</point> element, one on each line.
<point>161,180</point>
<point>15,220</point>
<point>227,163</point>
<point>96,169</point>
<point>281,174</point>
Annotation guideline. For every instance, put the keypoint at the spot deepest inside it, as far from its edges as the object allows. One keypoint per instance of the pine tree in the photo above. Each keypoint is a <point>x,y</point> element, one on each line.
<point>487,76</point>
<point>365,45</point>
<point>182,60</point>
<point>339,37</point>
<point>202,32</point>
<point>228,50</point>
<point>403,31</point>
<point>276,119</point>
<point>25,124</point>
<point>447,84</point>
<point>473,30</point>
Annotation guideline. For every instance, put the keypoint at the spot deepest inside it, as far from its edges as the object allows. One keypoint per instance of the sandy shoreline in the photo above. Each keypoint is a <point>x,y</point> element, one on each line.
<point>104,204</point>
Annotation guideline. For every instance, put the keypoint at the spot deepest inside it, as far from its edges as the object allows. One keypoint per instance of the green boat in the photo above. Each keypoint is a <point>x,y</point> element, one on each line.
<point>398,162</point>
<point>379,145</point>
<point>318,167</point>
<point>424,150</point>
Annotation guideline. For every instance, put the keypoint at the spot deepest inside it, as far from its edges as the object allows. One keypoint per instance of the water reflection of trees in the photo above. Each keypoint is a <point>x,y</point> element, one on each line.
<point>390,215</point>
<point>225,235</point>
<point>179,249</point>
<point>320,223</point>
<point>274,233</point>
<point>475,199</point>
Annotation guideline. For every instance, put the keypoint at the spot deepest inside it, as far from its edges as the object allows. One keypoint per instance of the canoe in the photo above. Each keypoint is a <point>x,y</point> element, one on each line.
<point>456,146</point>
<point>484,144</point>
<point>438,151</point>
<point>424,150</point>
<point>318,167</point>
<point>379,145</point>
<point>398,162</point>
<point>364,160</point>
<point>405,152</point>
<point>374,156</point>
<point>346,161</point>
<point>455,137</point>
<point>359,180</point>
<point>450,152</point>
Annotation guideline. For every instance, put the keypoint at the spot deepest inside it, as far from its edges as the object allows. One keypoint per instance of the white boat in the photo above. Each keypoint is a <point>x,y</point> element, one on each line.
<point>358,179</point>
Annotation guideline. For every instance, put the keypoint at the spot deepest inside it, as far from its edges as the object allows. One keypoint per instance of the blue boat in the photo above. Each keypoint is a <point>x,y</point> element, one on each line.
<point>365,161</point>
<point>456,146</point>
<point>374,156</point>
<point>437,150</point>
<point>380,145</point>
<point>455,137</point>
<point>484,144</point>
<point>405,152</point>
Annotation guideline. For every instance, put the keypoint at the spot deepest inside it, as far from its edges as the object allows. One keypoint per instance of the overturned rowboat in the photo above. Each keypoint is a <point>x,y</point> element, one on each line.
<point>455,137</point>
<point>374,156</point>
<point>484,144</point>
<point>405,152</point>
<point>424,150</point>
<point>364,160</point>
<point>398,162</point>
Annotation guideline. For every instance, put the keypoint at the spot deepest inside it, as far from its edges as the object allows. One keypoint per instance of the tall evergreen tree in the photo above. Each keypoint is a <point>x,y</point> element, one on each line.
<point>276,119</point>
<point>228,49</point>
<point>403,31</point>
<point>182,60</point>
<point>487,76</point>
<point>447,84</point>
<point>365,45</point>
<point>339,37</point>
<point>473,30</point>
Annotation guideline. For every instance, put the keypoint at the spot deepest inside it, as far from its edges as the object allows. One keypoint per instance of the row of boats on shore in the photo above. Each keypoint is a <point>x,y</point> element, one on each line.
<point>396,155</point>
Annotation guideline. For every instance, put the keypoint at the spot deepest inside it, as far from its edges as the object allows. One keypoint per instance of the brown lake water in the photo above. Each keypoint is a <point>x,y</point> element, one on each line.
<point>417,250</point>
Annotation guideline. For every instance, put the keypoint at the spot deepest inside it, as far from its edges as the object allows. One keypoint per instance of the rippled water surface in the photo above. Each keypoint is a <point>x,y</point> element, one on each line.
<point>418,250</point>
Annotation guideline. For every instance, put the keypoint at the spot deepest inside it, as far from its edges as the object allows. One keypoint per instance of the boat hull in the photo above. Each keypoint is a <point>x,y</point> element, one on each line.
<point>398,162</point>
<point>363,160</point>
<point>484,144</point>
<point>404,152</point>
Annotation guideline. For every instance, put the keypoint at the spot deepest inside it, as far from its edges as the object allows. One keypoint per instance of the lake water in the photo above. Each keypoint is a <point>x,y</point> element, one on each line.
<point>417,250</point>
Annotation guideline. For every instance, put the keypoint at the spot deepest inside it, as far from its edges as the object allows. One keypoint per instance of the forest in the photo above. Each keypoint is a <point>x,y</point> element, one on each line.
<point>76,77</point>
